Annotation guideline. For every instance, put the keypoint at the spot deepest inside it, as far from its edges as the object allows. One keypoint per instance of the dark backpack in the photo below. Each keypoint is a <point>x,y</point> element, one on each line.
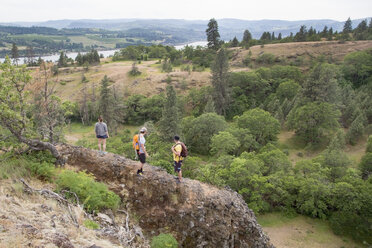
<point>184,151</point>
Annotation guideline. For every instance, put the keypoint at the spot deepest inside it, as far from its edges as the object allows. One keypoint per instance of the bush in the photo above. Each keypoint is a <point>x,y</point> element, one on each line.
<point>366,165</point>
<point>199,131</point>
<point>13,168</point>
<point>266,58</point>
<point>90,224</point>
<point>43,171</point>
<point>164,240</point>
<point>94,195</point>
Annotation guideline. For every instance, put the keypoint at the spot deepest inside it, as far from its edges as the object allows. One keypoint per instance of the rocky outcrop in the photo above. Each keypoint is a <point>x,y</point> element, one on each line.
<point>199,215</point>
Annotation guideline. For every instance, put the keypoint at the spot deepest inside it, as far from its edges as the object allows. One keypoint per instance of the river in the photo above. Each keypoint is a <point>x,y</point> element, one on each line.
<point>106,53</point>
<point>72,55</point>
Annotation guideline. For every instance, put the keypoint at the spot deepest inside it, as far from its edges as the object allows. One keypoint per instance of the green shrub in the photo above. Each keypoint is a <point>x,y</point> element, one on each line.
<point>90,224</point>
<point>369,144</point>
<point>13,168</point>
<point>266,58</point>
<point>164,240</point>
<point>94,195</point>
<point>366,165</point>
<point>43,171</point>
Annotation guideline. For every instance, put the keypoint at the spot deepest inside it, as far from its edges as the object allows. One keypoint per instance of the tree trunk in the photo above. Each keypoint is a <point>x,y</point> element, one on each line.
<point>35,144</point>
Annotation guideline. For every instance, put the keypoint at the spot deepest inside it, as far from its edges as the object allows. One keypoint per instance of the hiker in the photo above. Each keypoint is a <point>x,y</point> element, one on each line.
<point>101,134</point>
<point>142,153</point>
<point>178,150</point>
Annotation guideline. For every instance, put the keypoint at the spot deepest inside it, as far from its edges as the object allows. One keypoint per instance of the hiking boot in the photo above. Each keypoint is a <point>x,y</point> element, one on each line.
<point>178,181</point>
<point>104,153</point>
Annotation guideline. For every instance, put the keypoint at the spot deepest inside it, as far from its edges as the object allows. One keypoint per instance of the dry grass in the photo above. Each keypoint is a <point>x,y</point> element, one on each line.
<point>297,151</point>
<point>306,50</point>
<point>302,232</point>
<point>152,81</point>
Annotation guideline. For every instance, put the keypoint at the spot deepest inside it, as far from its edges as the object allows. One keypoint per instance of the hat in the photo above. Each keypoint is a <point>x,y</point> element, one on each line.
<point>142,130</point>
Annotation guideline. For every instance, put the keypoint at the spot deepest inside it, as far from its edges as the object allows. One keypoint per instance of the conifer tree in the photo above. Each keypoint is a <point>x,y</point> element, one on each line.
<point>235,42</point>
<point>279,36</point>
<point>169,122</point>
<point>62,61</point>
<point>356,129</point>
<point>209,107</point>
<point>347,26</point>
<point>15,54</point>
<point>220,70</point>
<point>106,101</point>
<point>213,36</point>
<point>247,36</point>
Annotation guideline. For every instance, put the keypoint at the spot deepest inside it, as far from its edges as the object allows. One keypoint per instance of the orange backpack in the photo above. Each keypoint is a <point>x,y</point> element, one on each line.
<point>136,142</point>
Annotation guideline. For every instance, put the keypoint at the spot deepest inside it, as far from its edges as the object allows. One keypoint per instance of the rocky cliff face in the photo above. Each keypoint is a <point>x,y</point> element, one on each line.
<point>199,215</point>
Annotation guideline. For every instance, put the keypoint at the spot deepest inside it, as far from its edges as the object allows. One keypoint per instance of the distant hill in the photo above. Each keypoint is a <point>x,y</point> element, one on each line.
<point>193,29</point>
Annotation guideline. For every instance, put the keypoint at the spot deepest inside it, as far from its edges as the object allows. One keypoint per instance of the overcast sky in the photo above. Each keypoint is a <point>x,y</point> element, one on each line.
<point>43,10</point>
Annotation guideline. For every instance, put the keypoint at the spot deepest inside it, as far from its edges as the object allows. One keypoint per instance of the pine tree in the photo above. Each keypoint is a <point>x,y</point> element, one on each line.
<point>106,101</point>
<point>356,129</point>
<point>234,42</point>
<point>325,32</point>
<point>302,34</point>
<point>273,36</point>
<point>279,36</point>
<point>209,107</point>
<point>213,36</point>
<point>169,122</point>
<point>30,56</point>
<point>62,61</point>
<point>15,54</point>
<point>247,36</point>
<point>220,70</point>
<point>347,27</point>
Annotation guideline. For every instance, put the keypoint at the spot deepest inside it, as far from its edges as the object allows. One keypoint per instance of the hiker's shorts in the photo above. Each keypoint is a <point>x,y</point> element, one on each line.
<point>177,166</point>
<point>142,158</point>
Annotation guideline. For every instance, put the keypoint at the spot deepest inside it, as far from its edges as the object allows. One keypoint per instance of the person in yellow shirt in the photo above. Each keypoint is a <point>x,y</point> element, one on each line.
<point>177,149</point>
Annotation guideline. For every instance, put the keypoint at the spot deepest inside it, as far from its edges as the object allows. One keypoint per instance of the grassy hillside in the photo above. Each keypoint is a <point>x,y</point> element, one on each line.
<point>301,231</point>
<point>152,81</point>
<point>300,53</point>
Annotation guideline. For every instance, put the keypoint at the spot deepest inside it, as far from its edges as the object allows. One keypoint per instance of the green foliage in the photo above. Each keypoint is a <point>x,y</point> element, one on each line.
<point>322,84</point>
<point>266,59</point>
<point>44,171</point>
<point>356,130</point>
<point>199,131</point>
<point>134,71</point>
<point>94,195</point>
<point>357,67</point>
<point>366,165</point>
<point>314,121</point>
<point>273,160</point>
<point>369,144</point>
<point>89,58</point>
<point>261,125</point>
<point>287,90</point>
<point>164,240</point>
<point>169,125</point>
<point>90,224</point>
<point>224,143</point>
<point>140,109</point>
<point>13,168</point>
<point>220,75</point>
<point>213,36</point>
